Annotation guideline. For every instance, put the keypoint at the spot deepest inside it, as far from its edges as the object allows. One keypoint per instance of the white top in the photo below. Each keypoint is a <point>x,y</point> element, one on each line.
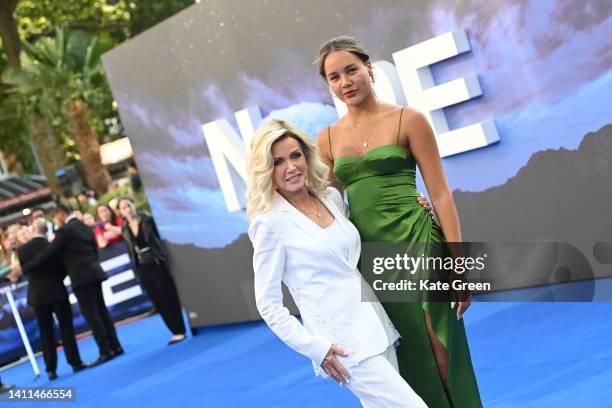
<point>336,234</point>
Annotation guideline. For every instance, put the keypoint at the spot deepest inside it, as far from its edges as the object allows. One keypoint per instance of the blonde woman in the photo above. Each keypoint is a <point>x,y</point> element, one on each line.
<point>301,237</point>
<point>373,152</point>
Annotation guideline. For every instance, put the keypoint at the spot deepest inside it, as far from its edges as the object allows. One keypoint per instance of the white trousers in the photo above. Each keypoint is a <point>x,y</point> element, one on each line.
<point>377,383</point>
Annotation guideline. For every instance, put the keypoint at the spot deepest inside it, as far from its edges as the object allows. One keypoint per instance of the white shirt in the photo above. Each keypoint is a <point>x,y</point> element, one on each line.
<point>336,234</point>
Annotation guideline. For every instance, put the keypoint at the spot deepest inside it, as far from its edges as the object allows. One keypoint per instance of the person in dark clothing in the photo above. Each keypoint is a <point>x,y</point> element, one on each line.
<point>134,177</point>
<point>150,261</point>
<point>75,243</point>
<point>47,295</point>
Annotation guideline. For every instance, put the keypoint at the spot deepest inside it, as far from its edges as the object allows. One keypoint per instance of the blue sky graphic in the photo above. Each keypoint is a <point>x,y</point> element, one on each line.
<point>545,72</point>
<point>193,213</point>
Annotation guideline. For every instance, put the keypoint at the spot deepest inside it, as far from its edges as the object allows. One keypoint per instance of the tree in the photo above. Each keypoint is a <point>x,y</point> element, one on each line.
<point>24,22</point>
<point>38,18</point>
<point>14,111</point>
<point>8,32</point>
<point>27,21</point>
<point>14,139</point>
<point>62,78</point>
<point>22,118</point>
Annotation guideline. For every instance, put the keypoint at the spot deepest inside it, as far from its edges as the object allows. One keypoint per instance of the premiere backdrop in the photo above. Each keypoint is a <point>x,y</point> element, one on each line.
<point>543,69</point>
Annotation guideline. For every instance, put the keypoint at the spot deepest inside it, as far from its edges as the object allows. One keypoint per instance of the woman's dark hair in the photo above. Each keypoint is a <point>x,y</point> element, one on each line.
<point>130,199</point>
<point>112,213</point>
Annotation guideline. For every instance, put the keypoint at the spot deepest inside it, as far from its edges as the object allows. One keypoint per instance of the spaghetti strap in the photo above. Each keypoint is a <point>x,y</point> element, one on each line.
<point>399,128</point>
<point>329,139</point>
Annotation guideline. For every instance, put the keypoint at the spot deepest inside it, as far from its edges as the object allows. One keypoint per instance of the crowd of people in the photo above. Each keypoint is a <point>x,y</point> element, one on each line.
<point>46,250</point>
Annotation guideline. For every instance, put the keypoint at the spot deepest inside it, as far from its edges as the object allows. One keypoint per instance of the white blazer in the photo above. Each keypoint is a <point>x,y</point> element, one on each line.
<point>325,285</point>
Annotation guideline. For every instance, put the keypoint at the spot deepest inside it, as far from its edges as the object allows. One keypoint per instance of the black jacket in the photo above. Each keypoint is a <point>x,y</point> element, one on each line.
<point>149,229</point>
<point>45,282</point>
<point>75,244</point>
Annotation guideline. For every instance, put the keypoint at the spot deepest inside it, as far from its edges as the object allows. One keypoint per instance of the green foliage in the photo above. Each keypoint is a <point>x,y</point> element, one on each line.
<point>3,60</point>
<point>114,21</point>
<point>60,65</point>
<point>14,137</point>
<point>144,14</point>
<point>55,72</point>
<point>38,18</point>
<point>140,198</point>
<point>13,134</point>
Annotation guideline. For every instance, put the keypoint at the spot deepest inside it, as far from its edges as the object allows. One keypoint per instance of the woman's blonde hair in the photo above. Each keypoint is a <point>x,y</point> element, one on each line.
<point>342,43</point>
<point>261,189</point>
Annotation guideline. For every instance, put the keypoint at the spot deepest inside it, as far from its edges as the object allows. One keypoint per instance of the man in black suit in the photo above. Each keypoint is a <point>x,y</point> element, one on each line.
<point>75,243</point>
<point>47,295</point>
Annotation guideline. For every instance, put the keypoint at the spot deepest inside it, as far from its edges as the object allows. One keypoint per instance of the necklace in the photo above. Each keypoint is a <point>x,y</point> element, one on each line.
<point>364,144</point>
<point>310,209</point>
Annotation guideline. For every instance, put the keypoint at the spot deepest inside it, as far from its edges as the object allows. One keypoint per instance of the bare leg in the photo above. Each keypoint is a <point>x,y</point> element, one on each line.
<point>440,354</point>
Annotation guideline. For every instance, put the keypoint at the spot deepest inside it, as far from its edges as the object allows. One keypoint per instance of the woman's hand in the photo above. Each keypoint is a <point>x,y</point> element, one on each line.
<point>460,297</point>
<point>15,273</point>
<point>333,367</point>
<point>113,228</point>
<point>463,306</point>
<point>102,242</point>
<point>425,204</point>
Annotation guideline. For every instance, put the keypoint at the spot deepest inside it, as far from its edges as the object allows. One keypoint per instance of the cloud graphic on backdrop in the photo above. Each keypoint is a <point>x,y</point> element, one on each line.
<point>543,72</point>
<point>216,102</point>
<point>257,92</point>
<point>192,214</point>
<point>197,170</point>
<point>187,200</point>
<point>543,95</point>
<point>307,116</point>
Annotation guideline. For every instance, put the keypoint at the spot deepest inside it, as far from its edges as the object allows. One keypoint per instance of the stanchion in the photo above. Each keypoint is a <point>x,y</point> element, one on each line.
<point>8,291</point>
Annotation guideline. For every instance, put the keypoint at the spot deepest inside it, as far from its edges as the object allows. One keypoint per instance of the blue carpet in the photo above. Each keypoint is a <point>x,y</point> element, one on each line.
<point>525,355</point>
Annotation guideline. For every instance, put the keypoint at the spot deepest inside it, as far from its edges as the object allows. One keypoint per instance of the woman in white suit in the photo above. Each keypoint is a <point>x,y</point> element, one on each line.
<point>301,237</point>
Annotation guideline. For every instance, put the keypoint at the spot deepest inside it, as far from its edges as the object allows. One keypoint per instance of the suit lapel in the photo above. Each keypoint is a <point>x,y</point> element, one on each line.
<point>305,223</point>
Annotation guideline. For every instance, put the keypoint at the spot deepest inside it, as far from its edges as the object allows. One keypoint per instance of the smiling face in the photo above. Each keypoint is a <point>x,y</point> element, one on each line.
<point>104,213</point>
<point>10,241</point>
<point>23,235</point>
<point>89,220</point>
<point>290,166</point>
<point>348,77</point>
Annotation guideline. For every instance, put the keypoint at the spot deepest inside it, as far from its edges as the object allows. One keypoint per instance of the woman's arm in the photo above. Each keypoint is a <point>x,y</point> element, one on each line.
<point>269,267</point>
<point>100,240</point>
<point>110,227</point>
<point>423,146</point>
<point>326,157</point>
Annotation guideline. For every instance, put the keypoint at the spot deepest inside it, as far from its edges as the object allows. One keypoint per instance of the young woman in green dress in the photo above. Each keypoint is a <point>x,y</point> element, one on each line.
<point>373,152</point>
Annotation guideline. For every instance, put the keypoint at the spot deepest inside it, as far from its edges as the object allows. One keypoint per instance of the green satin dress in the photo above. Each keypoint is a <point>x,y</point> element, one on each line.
<point>382,195</point>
